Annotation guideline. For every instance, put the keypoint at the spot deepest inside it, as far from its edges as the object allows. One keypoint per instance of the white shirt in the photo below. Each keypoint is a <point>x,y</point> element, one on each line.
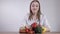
<point>26,22</point>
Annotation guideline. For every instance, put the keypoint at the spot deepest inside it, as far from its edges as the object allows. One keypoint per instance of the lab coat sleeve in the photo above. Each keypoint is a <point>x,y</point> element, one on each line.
<point>23,22</point>
<point>45,22</point>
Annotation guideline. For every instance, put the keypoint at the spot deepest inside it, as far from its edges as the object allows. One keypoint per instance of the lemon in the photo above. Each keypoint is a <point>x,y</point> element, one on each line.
<point>44,29</point>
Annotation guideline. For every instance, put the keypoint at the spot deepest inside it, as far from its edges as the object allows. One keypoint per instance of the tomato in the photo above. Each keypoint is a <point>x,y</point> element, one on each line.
<point>34,25</point>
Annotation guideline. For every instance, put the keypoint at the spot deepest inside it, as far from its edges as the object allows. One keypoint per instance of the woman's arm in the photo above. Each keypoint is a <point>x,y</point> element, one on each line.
<point>23,24</point>
<point>45,24</point>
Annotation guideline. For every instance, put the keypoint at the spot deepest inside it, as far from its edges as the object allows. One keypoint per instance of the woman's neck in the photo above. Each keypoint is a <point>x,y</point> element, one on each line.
<point>34,16</point>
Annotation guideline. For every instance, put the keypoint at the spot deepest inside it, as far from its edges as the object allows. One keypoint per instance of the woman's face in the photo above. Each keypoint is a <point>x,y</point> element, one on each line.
<point>34,7</point>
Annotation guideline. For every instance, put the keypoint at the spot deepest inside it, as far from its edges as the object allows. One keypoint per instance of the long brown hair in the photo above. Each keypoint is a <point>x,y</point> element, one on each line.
<point>38,13</point>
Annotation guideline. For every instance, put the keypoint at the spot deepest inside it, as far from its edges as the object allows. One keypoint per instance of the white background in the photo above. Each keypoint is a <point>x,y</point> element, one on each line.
<point>13,11</point>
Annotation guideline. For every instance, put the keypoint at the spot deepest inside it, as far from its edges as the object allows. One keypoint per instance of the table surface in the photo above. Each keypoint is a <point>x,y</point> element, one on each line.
<point>23,33</point>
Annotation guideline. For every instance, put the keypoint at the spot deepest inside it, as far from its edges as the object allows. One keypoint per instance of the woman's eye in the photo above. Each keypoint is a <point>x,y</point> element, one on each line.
<point>32,5</point>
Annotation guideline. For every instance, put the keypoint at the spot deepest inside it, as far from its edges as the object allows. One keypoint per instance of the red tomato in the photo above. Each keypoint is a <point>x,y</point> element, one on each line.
<point>34,25</point>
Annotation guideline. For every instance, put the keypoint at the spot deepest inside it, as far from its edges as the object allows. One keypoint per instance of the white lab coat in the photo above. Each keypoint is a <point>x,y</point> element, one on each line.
<point>26,22</point>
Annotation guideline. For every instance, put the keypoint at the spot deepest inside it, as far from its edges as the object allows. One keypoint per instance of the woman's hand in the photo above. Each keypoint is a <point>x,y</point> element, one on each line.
<point>47,29</point>
<point>22,30</point>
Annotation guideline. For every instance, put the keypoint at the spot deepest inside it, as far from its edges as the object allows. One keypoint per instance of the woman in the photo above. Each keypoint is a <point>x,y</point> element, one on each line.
<point>35,15</point>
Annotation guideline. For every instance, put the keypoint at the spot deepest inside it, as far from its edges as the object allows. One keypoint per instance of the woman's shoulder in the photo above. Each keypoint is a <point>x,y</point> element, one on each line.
<point>26,16</point>
<point>43,16</point>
